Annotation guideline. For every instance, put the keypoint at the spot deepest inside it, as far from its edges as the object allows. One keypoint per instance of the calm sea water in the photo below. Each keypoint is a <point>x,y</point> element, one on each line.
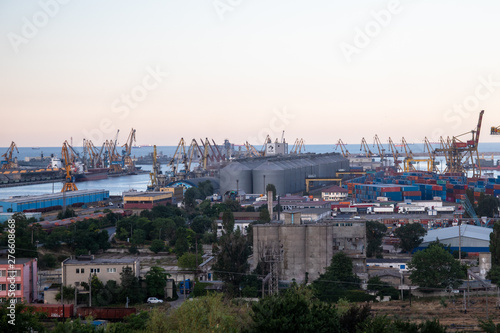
<point>117,185</point>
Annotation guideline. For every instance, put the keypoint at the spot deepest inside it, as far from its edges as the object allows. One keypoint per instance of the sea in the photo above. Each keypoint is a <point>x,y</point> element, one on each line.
<point>117,185</point>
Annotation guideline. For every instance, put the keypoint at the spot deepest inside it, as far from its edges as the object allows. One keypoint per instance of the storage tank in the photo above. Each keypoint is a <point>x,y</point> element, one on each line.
<point>234,176</point>
<point>274,174</point>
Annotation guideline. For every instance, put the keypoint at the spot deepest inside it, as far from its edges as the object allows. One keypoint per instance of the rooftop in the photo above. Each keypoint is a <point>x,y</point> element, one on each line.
<point>100,261</point>
<point>51,196</point>
<point>469,231</point>
<point>335,189</point>
<point>19,261</point>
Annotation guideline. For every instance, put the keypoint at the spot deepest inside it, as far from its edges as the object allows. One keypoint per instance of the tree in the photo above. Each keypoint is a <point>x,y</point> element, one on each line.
<point>157,246</point>
<point>188,260</point>
<point>24,318</point>
<point>24,246</point>
<point>495,245</point>
<point>232,264</point>
<point>410,236</point>
<point>131,287</point>
<point>201,224</point>
<point>487,205</point>
<point>138,237</point>
<point>295,311</point>
<point>227,222</point>
<point>190,197</point>
<point>156,280</point>
<point>271,187</point>
<point>264,216</point>
<point>181,243</point>
<point>435,267</point>
<point>337,280</point>
<point>383,288</point>
<point>375,232</point>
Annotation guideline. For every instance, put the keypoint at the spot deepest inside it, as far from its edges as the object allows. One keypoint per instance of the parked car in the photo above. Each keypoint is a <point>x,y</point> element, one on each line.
<point>154,300</point>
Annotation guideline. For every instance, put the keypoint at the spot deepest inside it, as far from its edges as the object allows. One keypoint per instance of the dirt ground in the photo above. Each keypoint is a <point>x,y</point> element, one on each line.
<point>449,311</point>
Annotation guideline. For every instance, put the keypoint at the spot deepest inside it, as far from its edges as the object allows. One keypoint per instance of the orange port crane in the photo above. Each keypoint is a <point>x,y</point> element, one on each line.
<point>495,130</point>
<point>8,163</point>
<point>432,155</point>
<point>298,146</point>
<point>69,184</point>
<point>460,154</point>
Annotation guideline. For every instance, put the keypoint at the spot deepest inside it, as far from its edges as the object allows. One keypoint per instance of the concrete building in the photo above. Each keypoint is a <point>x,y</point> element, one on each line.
<point>473,239</point>
<point>24,275</point>
<point>309,248</point>
<point>50,200</point>
<point>334,193</point>
<point>310,215</point>
<point>241,220</point>
<point>146,200</point>
<point>80,270</point>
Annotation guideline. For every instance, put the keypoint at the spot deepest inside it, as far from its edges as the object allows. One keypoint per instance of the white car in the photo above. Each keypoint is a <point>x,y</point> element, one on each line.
<point>154,300</point>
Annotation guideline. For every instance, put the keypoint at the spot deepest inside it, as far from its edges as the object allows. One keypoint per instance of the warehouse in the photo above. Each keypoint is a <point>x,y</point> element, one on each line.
<point>146,200</point>
<point>40,202</point>
<point>473,239</point>
<point>286,173</point>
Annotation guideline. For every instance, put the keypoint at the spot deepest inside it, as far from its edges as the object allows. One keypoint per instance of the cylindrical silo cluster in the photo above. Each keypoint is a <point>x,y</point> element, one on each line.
<point>286,173</point>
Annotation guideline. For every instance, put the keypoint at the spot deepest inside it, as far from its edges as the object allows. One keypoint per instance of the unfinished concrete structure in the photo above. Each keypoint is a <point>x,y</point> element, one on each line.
<point>309,248</point>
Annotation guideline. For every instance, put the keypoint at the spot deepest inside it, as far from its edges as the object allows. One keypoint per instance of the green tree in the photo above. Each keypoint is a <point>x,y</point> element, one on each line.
<point>435,267</point>
<point>181,243</point>
<point>190,197</point>
<point>156,280</point>
<point>157,246</point>
<point>271,187</point>
<point>138,237</point>
<point>131,287</point>
<point>487,205</point>
<point>382,288</point>
<point>188,260</point>
<point>375,232</point>
<point>24,318</point>
<point>294,311</point>
<point>24,246</point>
<point>410,236</point>
<point>337,280</point>
<point>264,216</point>
<point>495,244</point>
<point>68,293</point>
<point>231,260</point>
<point>201,224</point>
<point>227,222</point>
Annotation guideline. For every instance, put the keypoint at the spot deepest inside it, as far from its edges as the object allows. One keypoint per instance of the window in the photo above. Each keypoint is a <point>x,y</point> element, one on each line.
<point>18,286</point>
<point>3,287</point>
<point>95,270</point>
<point>111,270</point>
<point>83,270</point>
<point>78,271</point>
<point>15,273</point>
<point>3,272</point>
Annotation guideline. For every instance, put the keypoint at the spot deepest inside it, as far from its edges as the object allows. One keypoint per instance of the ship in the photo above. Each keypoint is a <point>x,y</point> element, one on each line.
<point>92,174</point>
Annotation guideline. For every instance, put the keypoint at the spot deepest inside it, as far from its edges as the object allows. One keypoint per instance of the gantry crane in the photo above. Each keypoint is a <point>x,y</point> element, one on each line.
<point>343,148</point>
<point>395,155</point>
<point>127,160</point>
<point>8,162</point>
<point>460,154</point>
<point>364,145</point>
<point>380,147</point>
<point>69,184</point>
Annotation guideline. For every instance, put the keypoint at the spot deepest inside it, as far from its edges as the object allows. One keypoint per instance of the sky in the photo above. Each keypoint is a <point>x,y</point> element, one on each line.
<point>320,70</point>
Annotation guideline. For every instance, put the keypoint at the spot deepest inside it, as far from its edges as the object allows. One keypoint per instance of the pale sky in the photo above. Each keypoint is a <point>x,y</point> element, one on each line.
<point>239,69</point>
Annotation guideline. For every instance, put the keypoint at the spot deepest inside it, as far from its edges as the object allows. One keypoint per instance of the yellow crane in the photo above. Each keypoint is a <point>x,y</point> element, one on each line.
<point>298,146</point>
<point>364,145</point>
<point>69,184</point>
<point>8,162</point>
<point>380,147</point>
<point>343,148</point>
<point>179,157</point>
<point>127,160</point>
<point>432,155</point>
<point>251,151</point>
<point>395,155</point>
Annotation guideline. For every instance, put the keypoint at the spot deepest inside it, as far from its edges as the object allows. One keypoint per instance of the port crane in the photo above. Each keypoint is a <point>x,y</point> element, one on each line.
<point>155,173</point>
<point>380,147</point>
<point>127,160</point>
<point>251,151</point>
<point>460,154</point>
<point>364,145</point>
<point>432,155</point>
<point>495,130</point>
<point>69,184</point>
<point>298,146</point>
<point>179,157</point>
<point>395,155</point>
<point>8,163</point>
<point>409,160</point>
<point>343,148</point>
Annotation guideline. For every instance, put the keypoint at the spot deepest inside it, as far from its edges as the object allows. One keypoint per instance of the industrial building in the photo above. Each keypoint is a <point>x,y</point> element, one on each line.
<point>40,202</point>
<point>307,249</point>
<point>79,270</point>
<point>287,173</point>
<point>472,239</point>
<point>146,200</point>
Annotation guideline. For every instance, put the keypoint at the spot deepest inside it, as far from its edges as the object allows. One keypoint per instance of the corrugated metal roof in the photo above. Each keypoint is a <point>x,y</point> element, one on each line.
<point>469,231</point>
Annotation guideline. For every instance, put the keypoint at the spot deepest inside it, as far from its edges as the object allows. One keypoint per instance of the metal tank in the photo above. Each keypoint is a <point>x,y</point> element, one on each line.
<point>236,176</point>
<point>268,173</point>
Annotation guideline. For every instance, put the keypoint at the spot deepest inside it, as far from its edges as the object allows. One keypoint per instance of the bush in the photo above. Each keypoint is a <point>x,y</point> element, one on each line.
<point>133,249</point>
